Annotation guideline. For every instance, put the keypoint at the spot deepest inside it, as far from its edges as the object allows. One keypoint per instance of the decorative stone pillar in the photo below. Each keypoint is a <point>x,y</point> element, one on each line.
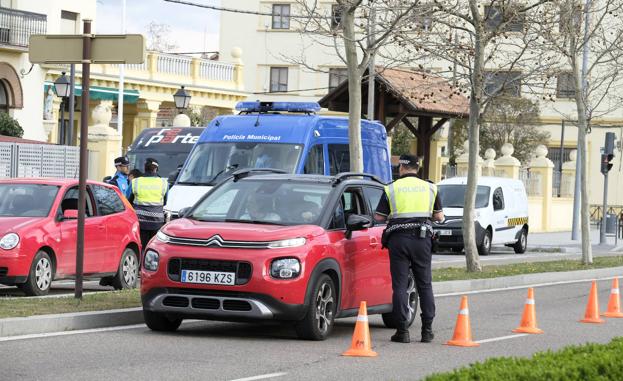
<point>462,162</point>
<point>507,165</point>
<point>51,125</point>
<point>181,120</point>
<point>236,54</point>
<point>488,167</point>
<point>543,168</point>
<point>567,180</point>
<point>103,144</point>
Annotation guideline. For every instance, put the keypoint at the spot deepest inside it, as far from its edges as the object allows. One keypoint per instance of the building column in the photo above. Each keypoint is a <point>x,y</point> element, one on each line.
<point>543,168</point>
<point>507,165</point>
<point>146,115</point>
<point>567,180</point>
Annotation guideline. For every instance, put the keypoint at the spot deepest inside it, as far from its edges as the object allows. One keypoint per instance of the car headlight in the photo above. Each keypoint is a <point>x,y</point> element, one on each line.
<point>293,242</point>
<point>162,237</point>
<point>285,268</point>
<point>9,241</point>
<point>152,260</point>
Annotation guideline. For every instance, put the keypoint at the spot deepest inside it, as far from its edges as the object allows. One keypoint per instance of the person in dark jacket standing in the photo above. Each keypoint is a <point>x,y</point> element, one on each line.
<point>149,194</point>
<point>409,204</point>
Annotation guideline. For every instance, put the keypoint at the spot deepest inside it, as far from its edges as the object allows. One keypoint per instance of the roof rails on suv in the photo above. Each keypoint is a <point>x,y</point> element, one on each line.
<point>246,172</point>
<point>347,175</point>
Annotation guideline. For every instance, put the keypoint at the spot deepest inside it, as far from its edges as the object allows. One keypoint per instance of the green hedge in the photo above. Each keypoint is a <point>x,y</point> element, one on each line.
<point>586,362</point>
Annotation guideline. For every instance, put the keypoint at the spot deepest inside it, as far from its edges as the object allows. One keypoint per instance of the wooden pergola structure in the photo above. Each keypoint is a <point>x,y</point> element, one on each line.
<point>403,94</point>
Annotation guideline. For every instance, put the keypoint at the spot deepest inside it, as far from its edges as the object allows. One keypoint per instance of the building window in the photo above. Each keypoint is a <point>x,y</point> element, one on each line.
<point>422,18</point>
<point>4,98</point>
<point>278,79</point>
<point>337,76</point>
<point>564,85</point>
<point>506,83</point>
<point>495,16</point>
<point>281,16</point>
<point>69,22</point>
<point>336,16</point>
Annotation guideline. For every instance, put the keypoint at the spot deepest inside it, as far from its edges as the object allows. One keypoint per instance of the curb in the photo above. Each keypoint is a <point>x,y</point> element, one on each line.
<point>457,286</point>
<point>69,322</point>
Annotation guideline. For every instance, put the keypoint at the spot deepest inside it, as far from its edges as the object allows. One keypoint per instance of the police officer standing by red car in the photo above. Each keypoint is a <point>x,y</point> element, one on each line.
<point>149,194</point>
<point>409,204</point>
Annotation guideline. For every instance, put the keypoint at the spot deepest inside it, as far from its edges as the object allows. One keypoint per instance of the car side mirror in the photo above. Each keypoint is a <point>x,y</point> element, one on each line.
<point>70,214</point>
<point>182,213</point>
<point>106,179</point>
<point>357,222</point>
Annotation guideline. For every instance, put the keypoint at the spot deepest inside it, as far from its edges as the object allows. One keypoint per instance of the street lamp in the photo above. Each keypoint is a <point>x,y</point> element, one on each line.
<point>182,99</point>
<point>62,89</point>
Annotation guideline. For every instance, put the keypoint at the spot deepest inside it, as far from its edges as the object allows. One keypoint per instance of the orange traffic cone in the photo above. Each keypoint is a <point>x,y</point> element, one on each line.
<point>614,307</point>
<point>592,308</point>
<point>463,330</point>
<point>361,345</point>
<point>528,320</point>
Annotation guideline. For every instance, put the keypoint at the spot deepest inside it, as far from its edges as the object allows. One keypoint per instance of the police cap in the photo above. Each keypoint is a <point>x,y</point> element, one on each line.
<point>151,161</point>
<point>122,160</point>
<point>409,161</point>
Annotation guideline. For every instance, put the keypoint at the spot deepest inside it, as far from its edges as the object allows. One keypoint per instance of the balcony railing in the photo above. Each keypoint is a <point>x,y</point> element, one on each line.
<point>17,26</point>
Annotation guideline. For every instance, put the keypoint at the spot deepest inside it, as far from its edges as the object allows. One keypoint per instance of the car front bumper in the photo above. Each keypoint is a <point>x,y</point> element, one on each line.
<point>453,233</point>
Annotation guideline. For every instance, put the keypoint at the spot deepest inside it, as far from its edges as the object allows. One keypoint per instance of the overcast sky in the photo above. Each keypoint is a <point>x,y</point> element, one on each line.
<point>192,29</point>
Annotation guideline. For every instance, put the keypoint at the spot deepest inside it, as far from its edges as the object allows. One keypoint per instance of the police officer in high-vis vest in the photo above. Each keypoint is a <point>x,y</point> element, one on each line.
<point>409,204</point>
<point>149,194</point>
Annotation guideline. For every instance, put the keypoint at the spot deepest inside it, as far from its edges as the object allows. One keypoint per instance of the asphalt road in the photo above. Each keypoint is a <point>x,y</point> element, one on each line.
<point>229,351</point>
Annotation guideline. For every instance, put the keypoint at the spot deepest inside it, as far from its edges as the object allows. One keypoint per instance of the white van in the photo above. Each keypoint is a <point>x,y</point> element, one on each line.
<point>501,214</point>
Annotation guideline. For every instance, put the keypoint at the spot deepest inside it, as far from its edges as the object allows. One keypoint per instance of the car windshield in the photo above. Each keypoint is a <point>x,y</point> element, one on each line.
<point>26,200</point>
<point>453,196</point>
<point>210,161</point>
<point>265,202</point>
<point>168,162</point>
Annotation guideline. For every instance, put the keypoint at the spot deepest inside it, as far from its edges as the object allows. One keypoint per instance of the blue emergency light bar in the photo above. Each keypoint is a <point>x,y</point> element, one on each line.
<point>306,107</point>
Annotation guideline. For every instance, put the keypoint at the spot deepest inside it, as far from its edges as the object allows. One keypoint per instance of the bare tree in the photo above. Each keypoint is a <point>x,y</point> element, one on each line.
<point>488,48</point>
<point>588,39</point>
<point>158,37</point>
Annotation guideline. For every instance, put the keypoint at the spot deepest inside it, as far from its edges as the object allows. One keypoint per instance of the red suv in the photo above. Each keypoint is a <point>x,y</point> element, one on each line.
<point>38,230</point>
<point>262,246</point>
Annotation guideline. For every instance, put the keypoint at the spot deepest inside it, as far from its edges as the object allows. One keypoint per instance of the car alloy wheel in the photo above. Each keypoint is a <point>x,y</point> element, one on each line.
<point>130,269</point>
<point>43,274</point>
<point>324,308</point>
<point>412,297</point>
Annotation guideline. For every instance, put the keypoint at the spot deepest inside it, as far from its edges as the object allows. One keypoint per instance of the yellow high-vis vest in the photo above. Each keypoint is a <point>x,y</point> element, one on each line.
<point>149,191</point>
<point>410,197</point>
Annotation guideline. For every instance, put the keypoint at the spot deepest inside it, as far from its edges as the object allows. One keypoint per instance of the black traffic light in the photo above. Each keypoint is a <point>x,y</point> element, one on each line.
<point>608,154</point>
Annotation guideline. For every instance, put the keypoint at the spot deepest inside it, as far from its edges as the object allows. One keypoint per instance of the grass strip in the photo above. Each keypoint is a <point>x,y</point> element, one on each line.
<point>573,363</point>
<point>446,274</point>
<point>98,301</point>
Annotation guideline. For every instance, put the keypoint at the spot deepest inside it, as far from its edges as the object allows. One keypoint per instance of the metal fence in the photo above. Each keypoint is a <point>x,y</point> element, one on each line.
<point>17,26</point>
<point>38,160</point>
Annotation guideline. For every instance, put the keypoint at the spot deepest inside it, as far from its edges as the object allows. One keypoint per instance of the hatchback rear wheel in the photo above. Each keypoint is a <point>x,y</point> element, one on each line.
<point>318,322</point>
<point>40,275</point>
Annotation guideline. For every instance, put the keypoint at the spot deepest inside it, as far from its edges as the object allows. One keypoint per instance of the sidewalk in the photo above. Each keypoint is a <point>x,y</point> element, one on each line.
<point>563,241</point>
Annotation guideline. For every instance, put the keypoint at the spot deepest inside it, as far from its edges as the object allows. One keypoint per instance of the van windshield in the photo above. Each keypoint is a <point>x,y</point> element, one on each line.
<point>168,161</point>
<point>210,162</point>
<point>453,196</point>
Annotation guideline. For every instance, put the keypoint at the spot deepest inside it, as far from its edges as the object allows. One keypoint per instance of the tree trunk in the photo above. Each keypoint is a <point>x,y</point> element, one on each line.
<point>469,214</point>
<point>354,91</point>
<point>587,253</point>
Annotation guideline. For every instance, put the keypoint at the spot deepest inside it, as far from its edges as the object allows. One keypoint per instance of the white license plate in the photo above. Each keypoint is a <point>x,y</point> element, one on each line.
<point>444,232</point>
<point>208,277</point>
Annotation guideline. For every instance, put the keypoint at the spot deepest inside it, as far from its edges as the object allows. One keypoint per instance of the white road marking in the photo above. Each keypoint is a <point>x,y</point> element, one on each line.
<point>261,377</point>
<point>523,286</point>
<point>502,338</point>
<point>66,333</point>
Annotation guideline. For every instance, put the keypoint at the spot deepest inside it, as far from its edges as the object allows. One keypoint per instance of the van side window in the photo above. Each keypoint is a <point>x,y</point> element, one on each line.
<point>339,158</point>
<point>314,164</point>
<point>498,199</point>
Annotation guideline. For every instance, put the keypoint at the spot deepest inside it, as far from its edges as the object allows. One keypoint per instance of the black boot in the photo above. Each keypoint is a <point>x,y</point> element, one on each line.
<point>427,332</point>
<point>401,336</point>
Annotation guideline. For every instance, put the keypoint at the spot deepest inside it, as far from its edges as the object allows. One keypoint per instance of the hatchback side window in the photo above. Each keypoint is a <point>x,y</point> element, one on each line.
<point>498,199</point>
<point>314,164</point>
<point>70,201</point>
<point>107,200</point>
<point>339,158</point>
<point>373,196</point>
<point>350,202</point>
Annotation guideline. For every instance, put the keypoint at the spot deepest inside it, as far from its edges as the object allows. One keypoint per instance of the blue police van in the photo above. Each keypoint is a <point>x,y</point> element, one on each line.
<point>281,135</point>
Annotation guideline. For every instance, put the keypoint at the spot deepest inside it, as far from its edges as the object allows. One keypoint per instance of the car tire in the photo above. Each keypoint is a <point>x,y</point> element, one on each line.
<point>522,243</point>
<point>160,322</point>
<point>457,249</point>
<point>388,317</point>
<point>320,316</point>
<point>485,245</point>
<point>127,273</point>
<point>40,275</point>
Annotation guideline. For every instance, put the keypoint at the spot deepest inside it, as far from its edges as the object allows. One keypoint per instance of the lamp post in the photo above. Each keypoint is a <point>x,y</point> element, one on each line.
<point>182,99</point>
<point>62,88</point>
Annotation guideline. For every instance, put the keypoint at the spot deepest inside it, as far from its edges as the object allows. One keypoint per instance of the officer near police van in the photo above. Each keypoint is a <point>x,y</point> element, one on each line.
<point>409,204</point>
<point>120,178</point>
<point>149,195</point>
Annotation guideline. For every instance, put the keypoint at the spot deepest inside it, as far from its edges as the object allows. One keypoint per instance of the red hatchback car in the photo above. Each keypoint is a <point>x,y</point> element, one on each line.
<point>38,226</point>
<point>298,248</point>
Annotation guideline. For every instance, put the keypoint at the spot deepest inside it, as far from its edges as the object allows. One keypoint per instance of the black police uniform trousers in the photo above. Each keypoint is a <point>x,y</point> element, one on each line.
<point>406,248</point>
